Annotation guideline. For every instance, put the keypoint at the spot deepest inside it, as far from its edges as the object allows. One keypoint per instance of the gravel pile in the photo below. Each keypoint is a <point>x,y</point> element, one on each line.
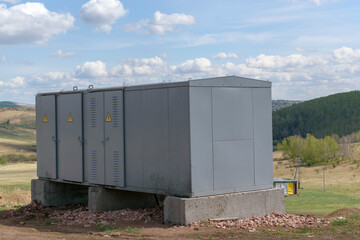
<point>88,218</point>
<point>270,220</point>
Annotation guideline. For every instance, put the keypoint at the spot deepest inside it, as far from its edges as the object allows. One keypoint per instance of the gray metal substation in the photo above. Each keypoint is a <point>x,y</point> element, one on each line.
<point>184,139</point>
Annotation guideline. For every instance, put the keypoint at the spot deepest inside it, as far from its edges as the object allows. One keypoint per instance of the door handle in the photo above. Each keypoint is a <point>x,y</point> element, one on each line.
<point>54,139</point>
<point>107,139</point>
<point>80,140</point>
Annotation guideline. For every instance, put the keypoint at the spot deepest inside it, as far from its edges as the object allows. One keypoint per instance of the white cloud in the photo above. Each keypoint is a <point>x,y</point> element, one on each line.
<point>228,37</point>
<point>222,55</point>
<point>291,61</point>
<point>10,1</point>
<point>102,13</point>
<point>16,82</point>
<point>139,66</point>
<point>91,70</point>
<point>161,23</point>
<point>346,55</point>
<point>60,54</point>
<point>193,66</point>
<point>31,23</point>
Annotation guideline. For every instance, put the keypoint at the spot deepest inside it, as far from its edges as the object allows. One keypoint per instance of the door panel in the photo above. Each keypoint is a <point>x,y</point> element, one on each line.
<point>114,138</point>
<point>70,138</point>
<point>94,137</point>
<point>46,136</point>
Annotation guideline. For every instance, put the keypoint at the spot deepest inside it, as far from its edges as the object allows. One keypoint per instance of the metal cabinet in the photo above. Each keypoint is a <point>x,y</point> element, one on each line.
<point>46,136</point>
<point>70,137</point>
<point>188,139</point>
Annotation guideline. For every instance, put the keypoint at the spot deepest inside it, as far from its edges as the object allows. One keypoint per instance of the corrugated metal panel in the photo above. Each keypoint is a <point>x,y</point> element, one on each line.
<point>202,168</point>
<point>114,138</point>
<point>94,137</point>
<point>46,136</point>
<point>263,137</point>
<point>70,138</point>
<point>133,137</point>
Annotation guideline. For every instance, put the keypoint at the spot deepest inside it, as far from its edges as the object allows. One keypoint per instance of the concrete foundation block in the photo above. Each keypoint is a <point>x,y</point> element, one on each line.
<point>57,194</point>
<point>236,205</point>
<point>104,199</point>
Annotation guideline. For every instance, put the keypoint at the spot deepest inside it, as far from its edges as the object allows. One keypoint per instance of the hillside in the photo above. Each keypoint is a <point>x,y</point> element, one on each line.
<point>335,114</point>
<point>21,117</point>
<point>8,104</point>
<point>17,134</point>
<point>279,104</point>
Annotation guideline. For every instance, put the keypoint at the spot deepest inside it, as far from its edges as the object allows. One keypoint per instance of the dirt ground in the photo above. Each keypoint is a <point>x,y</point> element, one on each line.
<point>37,222</point>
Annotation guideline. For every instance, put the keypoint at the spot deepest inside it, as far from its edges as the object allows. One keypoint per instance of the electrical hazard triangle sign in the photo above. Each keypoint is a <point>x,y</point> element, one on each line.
<point>70,118</point>
<point>108,118</point>
<point>45,120</point>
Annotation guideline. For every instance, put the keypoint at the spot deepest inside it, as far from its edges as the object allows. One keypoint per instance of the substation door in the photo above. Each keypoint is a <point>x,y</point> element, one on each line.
<point>104,138</point>
<point>114,138</point>
<point>94,137</point>
<point>46,136</point>
<point>70,137</point>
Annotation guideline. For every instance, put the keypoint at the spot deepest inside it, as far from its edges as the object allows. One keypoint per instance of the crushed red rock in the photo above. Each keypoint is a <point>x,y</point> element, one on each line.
<point>80,215</point>
<point>271,220</point>
<point>86,218</point>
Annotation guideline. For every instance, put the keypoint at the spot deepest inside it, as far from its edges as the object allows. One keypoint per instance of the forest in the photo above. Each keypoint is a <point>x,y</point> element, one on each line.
<point>337,114</point>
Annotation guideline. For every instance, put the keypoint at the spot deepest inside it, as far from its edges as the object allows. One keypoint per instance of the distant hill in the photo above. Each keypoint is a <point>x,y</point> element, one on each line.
<point>335,114</point>
<point>8,104</point>
<point>279,104</point>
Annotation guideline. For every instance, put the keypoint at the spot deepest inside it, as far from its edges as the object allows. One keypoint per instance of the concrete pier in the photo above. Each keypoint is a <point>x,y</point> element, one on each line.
<point>236,205</point>
<point>104,199</point>
<point>57,194</point>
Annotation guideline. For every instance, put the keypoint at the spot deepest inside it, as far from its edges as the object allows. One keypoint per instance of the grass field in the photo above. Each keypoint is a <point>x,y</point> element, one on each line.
<point>15,184</point>
<point>342,187</point>
<point>17,143</point>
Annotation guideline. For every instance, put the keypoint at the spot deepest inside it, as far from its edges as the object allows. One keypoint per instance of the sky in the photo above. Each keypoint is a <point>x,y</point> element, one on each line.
<point>306,48</point>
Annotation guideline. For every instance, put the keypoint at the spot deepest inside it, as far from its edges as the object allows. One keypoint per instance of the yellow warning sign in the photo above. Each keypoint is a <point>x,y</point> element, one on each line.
<point>45,119</point>
<point>70,118</point>
<point>108,118</point>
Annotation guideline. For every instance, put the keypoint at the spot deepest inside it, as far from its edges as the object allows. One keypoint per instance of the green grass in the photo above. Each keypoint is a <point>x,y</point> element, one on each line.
<point>317,201</point>
<point>17,158</point>
<point>340,222</point>
<point>108,228</point>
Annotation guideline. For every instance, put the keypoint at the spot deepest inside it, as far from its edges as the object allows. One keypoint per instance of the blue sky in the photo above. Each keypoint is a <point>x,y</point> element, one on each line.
<point>307,48</point>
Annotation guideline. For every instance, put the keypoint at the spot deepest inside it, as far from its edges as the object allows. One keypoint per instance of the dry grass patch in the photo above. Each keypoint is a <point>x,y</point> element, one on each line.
<point>18,117</point>
<point>11,197</point>
<point>15,184</point>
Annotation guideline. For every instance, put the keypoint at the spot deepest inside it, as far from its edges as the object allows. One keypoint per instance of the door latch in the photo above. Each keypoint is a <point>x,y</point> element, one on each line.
<point>54,139</point>
<point>80,140</point>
